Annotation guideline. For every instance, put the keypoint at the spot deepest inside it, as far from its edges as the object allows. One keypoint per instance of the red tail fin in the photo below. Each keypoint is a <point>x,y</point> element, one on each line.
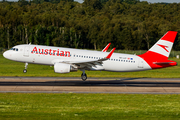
<point>159,53</point>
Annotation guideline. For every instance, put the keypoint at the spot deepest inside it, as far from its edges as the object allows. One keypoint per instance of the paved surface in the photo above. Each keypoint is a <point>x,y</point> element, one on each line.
<point>92,85</point>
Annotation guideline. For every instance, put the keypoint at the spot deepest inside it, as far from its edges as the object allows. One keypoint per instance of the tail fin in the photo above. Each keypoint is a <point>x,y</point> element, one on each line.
<point>158,54</point>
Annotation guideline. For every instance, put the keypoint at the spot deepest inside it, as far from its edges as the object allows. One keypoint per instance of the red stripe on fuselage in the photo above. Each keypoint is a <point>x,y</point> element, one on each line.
<point>152,57</point>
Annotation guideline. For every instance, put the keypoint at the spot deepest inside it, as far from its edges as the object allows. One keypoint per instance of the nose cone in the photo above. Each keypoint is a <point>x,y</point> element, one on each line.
<point>5,54</point>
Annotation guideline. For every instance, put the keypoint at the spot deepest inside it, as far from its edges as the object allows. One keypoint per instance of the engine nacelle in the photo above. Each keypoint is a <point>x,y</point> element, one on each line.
<point>63,68</point>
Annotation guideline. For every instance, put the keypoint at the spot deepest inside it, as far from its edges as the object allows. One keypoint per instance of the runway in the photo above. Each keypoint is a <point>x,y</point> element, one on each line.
<point>92,85</point>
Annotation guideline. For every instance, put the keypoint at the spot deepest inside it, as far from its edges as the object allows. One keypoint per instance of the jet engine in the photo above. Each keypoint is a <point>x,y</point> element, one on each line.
<point>63,68</point>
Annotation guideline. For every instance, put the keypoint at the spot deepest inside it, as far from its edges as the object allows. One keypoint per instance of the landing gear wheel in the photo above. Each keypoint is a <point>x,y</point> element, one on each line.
<point>25,71</point>
<point>83,76</point>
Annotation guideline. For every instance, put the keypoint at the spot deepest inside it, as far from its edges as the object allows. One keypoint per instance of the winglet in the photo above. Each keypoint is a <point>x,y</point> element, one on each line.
<point>110,54</point>
<point>106,48</point>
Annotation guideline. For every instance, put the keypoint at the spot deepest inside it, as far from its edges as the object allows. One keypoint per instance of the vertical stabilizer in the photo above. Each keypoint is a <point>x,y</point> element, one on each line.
<point>157,55</point>
<point>164,45</point>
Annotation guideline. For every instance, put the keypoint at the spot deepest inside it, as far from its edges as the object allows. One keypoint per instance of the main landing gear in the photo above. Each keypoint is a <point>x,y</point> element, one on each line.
<point>25,70</point>
<point>83,75</point>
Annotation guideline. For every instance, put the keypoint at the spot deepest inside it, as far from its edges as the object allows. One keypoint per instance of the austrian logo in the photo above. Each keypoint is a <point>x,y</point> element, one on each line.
<point>51,52</point>
<point>164,47</point>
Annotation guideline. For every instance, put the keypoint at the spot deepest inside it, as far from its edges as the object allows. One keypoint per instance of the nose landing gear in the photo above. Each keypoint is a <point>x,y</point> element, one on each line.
<point>25,70</point>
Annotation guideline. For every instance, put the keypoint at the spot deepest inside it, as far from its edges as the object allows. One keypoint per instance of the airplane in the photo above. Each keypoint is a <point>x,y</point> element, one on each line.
<point>66,60</point>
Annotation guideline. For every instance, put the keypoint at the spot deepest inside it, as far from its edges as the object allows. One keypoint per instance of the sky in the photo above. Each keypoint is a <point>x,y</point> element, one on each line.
<point>151,1</point>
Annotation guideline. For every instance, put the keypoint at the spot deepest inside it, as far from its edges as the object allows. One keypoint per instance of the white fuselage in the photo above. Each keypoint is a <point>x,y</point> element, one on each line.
<point>49,55</point>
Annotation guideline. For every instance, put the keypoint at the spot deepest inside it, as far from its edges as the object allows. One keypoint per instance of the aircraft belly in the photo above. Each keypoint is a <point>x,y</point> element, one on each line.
<point>125,67</point>
<point>96,67</point>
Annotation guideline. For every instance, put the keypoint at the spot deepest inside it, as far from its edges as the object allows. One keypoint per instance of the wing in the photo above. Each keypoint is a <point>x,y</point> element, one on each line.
<point>91,63</point>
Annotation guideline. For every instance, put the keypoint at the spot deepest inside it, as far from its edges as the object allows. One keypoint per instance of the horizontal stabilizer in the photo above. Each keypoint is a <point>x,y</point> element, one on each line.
<point>166,64</point>
<point>162,63</point>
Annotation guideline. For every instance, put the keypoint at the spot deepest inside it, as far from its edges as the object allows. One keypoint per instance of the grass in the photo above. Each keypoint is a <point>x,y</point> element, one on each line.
<point>89,106</point>
<point>11,68</point>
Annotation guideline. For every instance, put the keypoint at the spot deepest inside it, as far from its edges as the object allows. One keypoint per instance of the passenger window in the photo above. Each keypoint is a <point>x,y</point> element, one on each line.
<point>16,49</point>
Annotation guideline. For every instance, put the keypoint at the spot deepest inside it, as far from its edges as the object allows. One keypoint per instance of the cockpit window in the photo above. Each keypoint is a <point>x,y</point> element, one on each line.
<point>14,49</point>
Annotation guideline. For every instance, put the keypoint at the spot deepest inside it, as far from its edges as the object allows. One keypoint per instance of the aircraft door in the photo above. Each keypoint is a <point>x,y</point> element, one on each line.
<point>140,63</point>
<point>26,51</point>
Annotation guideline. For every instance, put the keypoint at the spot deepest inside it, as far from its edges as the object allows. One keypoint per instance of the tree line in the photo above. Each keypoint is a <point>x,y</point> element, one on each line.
<point>127,24</point>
